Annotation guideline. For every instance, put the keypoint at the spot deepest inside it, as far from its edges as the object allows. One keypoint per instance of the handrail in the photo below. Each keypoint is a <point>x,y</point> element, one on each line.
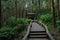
<point>50,36</point>
<point>28,30</point>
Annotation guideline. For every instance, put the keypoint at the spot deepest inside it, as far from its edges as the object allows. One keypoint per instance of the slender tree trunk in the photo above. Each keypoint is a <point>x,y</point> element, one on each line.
<point>32,5</point>
<point>58,9</point>
<point>16,7</point>
<point>0,15</point>
<point>39,5</point>
<point>53,14</point>
<point>39,8</point>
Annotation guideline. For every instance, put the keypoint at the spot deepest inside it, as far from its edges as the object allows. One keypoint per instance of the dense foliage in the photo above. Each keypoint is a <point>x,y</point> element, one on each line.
<point>47,19</point>
<point>12,27</point>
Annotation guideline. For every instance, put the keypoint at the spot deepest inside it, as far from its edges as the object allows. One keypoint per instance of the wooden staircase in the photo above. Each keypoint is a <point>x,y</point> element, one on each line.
<point>36,33</point>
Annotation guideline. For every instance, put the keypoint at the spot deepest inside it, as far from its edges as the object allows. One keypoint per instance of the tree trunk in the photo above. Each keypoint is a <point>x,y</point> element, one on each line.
<point>39,5</point>
<point>53,14</point>
<point>58,9</point>
<point>16,7</point>
<point>0,15</point>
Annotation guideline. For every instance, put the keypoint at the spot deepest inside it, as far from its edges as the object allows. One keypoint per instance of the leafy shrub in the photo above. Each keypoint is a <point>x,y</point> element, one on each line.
<point>58,28</point>
<point>11,21</point>
<point>13,26</point>
<point>58,22</point>
<point>46,17</point>
<point>8,32</point>
<point>19,22</point>
<point>22,21</point>
<point>5,33</point>
<point>58,25</point>
<point>49,26</point>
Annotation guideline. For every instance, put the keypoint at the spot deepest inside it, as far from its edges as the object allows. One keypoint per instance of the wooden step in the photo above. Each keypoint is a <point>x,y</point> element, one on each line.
<point>37,36</point>
<point>37,31</point>
<point>37,39</point>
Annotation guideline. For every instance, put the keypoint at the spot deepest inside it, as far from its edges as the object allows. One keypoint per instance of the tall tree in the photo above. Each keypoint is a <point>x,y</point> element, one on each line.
<point>39,5</point>
<point>16,7</point>
<point>58,9</point>
<point>53,14</point>
<point>0,15</point>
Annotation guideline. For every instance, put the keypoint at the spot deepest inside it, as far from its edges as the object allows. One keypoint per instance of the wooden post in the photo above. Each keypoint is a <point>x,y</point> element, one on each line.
<point>53,14</point>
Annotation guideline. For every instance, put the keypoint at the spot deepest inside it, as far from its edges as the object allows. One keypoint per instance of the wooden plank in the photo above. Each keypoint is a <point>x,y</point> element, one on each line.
<point>37,27</point>
<point>38,39</point>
